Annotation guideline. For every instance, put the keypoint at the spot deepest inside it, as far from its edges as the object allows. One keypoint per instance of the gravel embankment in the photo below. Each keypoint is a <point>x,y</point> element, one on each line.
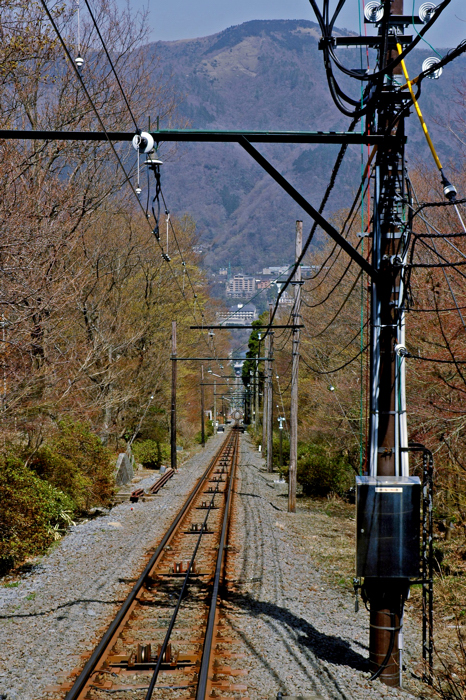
<point>300,636</point>
<point>59,608</point>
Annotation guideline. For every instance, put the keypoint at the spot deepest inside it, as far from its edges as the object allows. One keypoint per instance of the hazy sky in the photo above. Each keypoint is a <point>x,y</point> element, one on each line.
<point>184,19</point>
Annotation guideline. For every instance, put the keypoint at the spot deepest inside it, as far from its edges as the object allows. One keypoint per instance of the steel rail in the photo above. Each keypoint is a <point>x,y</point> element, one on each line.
<point>84,677</point>
<point>168,633</point>
<point>205,663</point>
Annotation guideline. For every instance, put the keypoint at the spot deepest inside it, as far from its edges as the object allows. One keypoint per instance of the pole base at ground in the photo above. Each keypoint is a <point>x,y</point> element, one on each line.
<point>386,598</point>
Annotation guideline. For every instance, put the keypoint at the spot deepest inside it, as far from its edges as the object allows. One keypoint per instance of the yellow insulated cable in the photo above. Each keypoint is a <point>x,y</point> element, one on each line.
<point>419,113</point>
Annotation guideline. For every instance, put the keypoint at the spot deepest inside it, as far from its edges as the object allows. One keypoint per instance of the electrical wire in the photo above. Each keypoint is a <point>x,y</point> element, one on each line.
<point>453,361</point>
<point>342,305</point>
<point>374,79</point>
<point>335,286</point>
<point>345,347</point>
<point>102,125</point>
<point>183,262</point>
<point>111,65</point>
<point>352,213</point>
<point>329,188</point>
<point>337,369</point>
<point>436,360</point>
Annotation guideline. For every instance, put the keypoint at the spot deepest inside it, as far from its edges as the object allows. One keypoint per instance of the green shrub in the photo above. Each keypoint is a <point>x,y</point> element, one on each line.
<point>75,461</point>
<point>150,453</point>
<point>32,512</point>
<point>208,430</point>
<point>321,471</point>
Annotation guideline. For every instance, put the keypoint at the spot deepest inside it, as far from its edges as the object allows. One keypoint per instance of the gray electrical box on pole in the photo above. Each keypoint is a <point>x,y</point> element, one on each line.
<point>388,526</point>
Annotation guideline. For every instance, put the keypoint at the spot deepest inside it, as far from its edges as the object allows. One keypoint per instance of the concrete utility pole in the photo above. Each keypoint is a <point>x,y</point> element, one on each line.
<point>296,317</point>
<point>388,432</point>
<point>269,426</point>
<point>202,408</point>
<point>173,405</point>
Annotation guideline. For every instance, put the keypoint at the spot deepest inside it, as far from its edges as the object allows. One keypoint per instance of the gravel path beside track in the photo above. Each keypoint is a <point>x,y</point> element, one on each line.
<point>59,609</point>
<point>300,636</point>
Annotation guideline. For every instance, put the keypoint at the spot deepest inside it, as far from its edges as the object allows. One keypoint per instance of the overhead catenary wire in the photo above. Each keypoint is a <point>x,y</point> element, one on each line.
<point>111,64</point>
<point>341,307</point>
<point>183,262</point>
<point>102,125</point>
<point>310,237</point>
<point>329,24</point>
<point>352,213</point>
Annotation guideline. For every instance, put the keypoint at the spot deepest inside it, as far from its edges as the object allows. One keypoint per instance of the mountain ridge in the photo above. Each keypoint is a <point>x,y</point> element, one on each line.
<point>265,75</point>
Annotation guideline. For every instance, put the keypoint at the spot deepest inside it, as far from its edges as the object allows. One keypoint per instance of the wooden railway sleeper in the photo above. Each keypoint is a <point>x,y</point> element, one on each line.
<point>142,660</point>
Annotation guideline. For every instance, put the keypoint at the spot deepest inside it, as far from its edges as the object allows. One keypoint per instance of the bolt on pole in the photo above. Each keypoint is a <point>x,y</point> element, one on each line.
<point>294,374</point>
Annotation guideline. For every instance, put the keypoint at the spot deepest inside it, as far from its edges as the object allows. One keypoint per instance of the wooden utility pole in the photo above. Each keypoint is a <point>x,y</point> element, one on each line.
<point>296,317</point>
<point>270,408</point>
<point>265,394</point>
<point>215,407</point>
<point>173,406</point>
<point>202,408</point>
<point>280,429</point>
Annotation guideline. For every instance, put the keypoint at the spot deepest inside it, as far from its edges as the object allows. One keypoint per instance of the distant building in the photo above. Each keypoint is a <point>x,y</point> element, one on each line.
<point>240,286</point>
<point>223,271</point>
<point>263,284</point>
<point>286,299</point>
<point>238,315</point>
<point>277,270</point>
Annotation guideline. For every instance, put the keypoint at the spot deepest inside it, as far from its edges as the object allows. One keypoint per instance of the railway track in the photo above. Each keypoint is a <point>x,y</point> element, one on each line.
<point>168,638</point>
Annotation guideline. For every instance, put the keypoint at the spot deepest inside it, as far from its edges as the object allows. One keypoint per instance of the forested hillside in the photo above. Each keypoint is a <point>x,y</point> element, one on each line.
<point>87,300</point>
<point>270,75</point>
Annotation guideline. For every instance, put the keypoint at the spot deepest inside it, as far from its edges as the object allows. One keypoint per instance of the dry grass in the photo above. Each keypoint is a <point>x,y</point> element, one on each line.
<point>334,524</point>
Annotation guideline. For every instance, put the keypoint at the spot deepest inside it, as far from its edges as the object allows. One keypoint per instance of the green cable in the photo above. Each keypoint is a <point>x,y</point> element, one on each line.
<point>424,40</point>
